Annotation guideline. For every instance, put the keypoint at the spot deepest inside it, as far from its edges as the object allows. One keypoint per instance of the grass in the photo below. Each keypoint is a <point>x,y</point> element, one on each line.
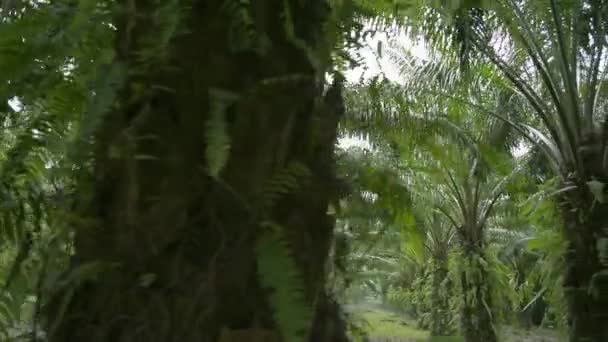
<point>382,325</point>
<point>385,326</point>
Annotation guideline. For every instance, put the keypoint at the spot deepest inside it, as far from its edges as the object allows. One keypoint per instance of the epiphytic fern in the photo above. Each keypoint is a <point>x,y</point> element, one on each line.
<point>218,141</point>
<point>278,272</point>
<point>49,61</point>
<point>285,181</point>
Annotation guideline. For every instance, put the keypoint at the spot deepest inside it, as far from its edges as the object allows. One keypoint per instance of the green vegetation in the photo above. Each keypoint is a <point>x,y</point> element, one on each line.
<point>386,325</point>
<point>217,171</point>
<point>382,325</point>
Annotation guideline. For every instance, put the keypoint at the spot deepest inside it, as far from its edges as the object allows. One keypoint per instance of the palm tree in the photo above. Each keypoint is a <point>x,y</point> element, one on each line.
<point>455,147</point>
<point>369,218</point>
<point>389,223</point>
<point>468,203</point>
<point>552,53</point>
<point>438,241</point>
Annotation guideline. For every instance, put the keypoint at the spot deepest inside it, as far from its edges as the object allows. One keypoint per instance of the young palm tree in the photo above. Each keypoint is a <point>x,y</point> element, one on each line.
<point>468,204</point>
<point>369,217</point>
<point>437,238</point>
<point>458,149</point>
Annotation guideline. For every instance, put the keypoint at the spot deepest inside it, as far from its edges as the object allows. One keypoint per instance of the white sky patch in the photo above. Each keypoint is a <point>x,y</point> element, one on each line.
<point>68,68</point>
<point>15,104</point>
<point>520,150</point>
<point>375,63</point>
<point>345,143</point>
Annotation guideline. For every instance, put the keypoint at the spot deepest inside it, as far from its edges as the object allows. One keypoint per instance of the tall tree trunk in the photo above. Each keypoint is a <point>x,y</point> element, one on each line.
<point>440,306</point>
<point>166,250</point>
<point>586,278</point>
<point>477,322</point>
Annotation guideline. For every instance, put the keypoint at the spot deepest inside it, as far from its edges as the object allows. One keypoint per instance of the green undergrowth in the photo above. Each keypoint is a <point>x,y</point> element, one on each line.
<point>385,326</point>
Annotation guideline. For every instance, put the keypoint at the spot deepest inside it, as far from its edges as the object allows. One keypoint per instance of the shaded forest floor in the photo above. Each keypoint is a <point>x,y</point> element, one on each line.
<point>386,326</point>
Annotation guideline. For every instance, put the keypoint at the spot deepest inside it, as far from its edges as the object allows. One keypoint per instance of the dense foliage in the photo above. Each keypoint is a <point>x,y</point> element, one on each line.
<point>209,170</point>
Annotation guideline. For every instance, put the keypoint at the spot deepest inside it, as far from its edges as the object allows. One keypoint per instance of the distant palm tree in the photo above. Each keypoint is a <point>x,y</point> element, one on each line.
<point>553,54</point>
<point>459,152</point>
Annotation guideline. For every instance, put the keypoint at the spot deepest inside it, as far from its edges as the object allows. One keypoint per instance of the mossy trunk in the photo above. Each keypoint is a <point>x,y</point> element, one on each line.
<point>476,316</point>
<point>165,248</point>
<point>586,275</point>
<point>441,292</point>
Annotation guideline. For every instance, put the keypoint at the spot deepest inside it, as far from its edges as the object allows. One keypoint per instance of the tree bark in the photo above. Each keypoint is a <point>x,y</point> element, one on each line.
<point>166,251</point>
<point>477,322</point>
<point>586,276</point>
<point>440,306</point>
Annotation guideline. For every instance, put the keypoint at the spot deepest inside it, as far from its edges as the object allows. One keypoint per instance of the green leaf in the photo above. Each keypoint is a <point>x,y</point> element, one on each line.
<point>597,189</point>
<point>217,150</point>
<point>147,279</point>
<point>278,272</point>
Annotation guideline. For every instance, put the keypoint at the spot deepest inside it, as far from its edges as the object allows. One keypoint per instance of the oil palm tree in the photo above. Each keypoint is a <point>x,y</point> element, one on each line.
<point>552,53</point>
<point>468,204</point>
<point>369,217</point>
<point>435,236</point>
<point>461,154</point>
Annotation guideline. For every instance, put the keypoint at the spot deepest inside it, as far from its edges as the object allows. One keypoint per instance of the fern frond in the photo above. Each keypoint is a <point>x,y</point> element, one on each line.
<point>217,150</point>
<point>278,272</point>
<point>285,181</point>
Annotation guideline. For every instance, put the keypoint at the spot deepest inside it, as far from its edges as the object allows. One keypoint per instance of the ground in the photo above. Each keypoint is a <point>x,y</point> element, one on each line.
<point>385,326</point>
